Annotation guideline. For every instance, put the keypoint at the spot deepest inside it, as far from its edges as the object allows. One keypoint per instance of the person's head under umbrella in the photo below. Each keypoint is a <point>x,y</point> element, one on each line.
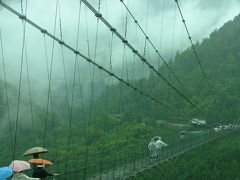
<point>19,167</point>
<point>35,152</point>
<point>36,156</point>
<point>182,134</point>
<point>40,172</point>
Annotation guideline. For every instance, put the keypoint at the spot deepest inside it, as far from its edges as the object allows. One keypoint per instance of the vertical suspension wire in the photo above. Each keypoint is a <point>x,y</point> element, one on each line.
<point>28,79</point>
<point>77,73</point>
<point>106,97</point>
<point>124,63</point>
<point>110,42</point>
<point>69,104</point>
<point>171,60</point>
<point>51,103</point>
<point>21,3</point>
<point>158,80</point>
<point>180,50</point>
<point>7,97</point>
<point>73,87</point>
<point>173,32</point>
<point>162,24</point>
<point>63,62</point>
<point>20,85</point>
<point>120,97</point>
<point>106,108</point>
<point>92,105</point>
<point>89,55</point>
<point>49,71</point>
<point>145,46</point>
<point>135,98</point>
<point>82,114</point>
<point>121,106</point>
<point>30,96</point>
<point>181,36</point>
<point>66,87</point>
<point>125,36</point>
<point>169,98</point>
<point>88,44</point>
<point>127,74</point>
<point>145,53</point>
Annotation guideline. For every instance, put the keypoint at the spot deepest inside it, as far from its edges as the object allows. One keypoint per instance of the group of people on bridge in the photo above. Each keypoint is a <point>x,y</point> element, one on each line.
<point>17,168</point>
<point>156,144</point>
<point>155,147</point>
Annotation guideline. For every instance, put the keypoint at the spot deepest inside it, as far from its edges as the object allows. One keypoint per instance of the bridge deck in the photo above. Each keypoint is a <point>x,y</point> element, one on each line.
<point>130,169</point>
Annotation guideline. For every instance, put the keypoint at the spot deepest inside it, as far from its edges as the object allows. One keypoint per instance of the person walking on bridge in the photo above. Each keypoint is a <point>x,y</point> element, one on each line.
<point>159,144</point>
<point>153,150</point>
<point>41,173</point>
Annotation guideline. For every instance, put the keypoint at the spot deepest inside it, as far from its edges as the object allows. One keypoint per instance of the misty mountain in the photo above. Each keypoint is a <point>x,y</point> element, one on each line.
<point>220,59</point>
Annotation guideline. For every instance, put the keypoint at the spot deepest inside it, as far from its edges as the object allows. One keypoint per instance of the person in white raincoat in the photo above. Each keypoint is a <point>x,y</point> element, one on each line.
<point>153,150</point>
<point>21,176</point>
<point>159,145</point>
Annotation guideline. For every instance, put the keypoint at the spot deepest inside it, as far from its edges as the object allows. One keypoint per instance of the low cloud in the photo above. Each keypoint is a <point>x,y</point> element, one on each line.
<point>202,17</point>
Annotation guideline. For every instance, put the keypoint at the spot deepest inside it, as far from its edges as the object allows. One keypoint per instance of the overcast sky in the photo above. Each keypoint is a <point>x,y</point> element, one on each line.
<point>160,19</point>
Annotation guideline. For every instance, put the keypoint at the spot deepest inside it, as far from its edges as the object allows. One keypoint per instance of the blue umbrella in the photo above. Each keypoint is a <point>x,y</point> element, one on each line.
<point>5,172</point>
<point>182,132</point>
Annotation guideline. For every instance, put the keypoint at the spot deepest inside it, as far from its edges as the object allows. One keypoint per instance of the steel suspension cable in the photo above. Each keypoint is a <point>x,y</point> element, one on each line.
<point>190,39</point>
<point>195,51</point>
<point>84,57</point>
<point>147,38</point>
<point>98,15</point>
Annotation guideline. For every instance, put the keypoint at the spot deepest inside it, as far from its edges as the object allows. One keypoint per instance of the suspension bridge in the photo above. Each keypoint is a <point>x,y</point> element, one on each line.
<point>86,73</point>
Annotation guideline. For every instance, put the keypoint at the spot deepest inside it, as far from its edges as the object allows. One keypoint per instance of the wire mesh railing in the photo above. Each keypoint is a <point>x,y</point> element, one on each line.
<point>137,160</point>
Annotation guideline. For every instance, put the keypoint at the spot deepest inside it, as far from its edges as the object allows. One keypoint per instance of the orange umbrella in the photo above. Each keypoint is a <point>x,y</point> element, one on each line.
<point>40,161</point>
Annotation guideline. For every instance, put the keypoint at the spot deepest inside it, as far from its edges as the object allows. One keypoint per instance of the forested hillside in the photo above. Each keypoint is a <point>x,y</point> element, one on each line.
<point>220,58</point>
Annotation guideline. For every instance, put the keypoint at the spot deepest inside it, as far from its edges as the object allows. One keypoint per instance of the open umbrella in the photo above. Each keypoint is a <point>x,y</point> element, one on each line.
<point>40,161</point>
<point>5,172</point>
<point>35,150</point>
<point>182,132</point>
<point>18,166</point>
